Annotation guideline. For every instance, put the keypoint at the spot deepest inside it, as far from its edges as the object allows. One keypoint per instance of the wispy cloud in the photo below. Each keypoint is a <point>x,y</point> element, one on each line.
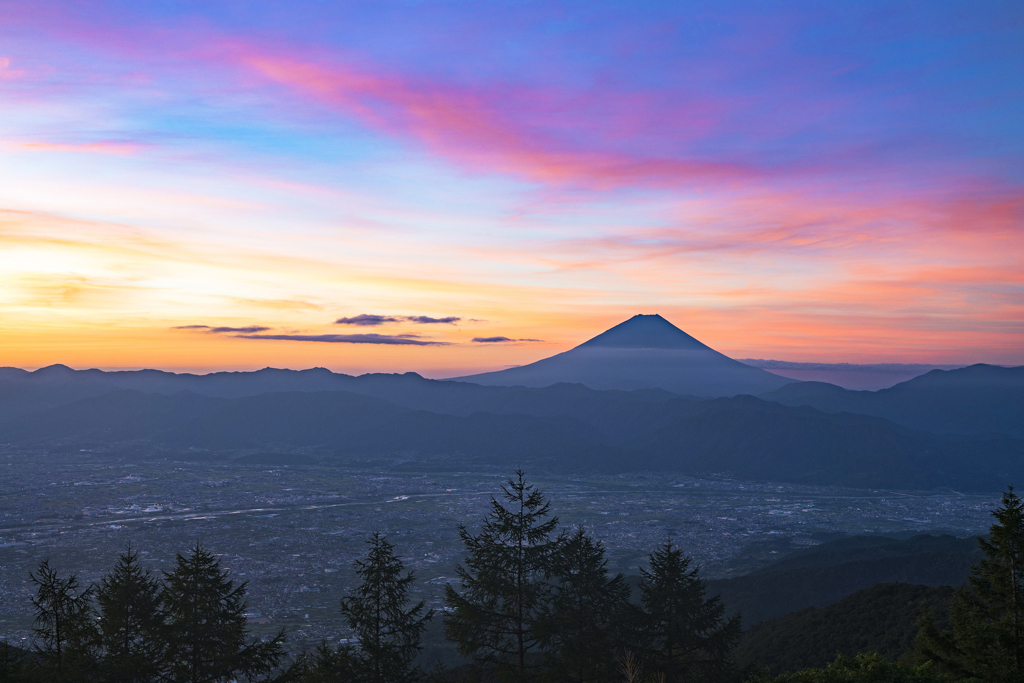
<point>7,73</point>
<point>471,127</point>
<point>427,320</point>
<point>372,320</point>
<point>795,181</point>
<point>367,320</point>
<point>392,340</point>
<point>249,329</point>
<point>501,340</point>
<point>115,147</point>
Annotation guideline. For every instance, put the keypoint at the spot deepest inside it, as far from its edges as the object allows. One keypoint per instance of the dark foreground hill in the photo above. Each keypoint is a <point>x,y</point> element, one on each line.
<point>744,437</point>
<point>827,573</point>
<point>882,618</point>
<point>980,399</point>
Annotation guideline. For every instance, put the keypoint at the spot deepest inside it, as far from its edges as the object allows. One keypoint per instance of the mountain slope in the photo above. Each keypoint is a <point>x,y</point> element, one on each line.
<point>980,399</point>
<point>882,618</point>
<point>827,573</point>
<point>754,439</point>
<point>645,351</point>
<point>333,423</point>
<point>743,436</point>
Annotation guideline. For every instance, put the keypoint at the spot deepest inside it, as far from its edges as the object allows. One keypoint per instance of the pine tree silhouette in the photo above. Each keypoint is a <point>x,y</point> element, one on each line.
<point>388,629</point>
<point>987,616</point>
<point>580,625</point>
<point>65,626</point>
<point>13,668</point>
<point>503,581</point>
<point>682,633</point>
<point>131,623</point>
<point>206,625</point>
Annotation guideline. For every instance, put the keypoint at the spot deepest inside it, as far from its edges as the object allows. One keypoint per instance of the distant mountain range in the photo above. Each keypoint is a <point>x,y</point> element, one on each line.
<point>980,399</point>
<point>959,428</point>
<point>856,376</point>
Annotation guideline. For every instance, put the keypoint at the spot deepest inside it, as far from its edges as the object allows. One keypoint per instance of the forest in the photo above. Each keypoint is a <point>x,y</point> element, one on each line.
<point>532,602</point>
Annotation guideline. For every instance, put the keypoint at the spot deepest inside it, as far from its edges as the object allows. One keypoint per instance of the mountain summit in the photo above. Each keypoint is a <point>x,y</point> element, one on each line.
<point>644,352</point>
<point>644,332</point>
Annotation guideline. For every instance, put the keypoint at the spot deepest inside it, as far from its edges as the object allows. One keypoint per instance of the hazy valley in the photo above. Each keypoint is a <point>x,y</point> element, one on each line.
<point>800,502</point>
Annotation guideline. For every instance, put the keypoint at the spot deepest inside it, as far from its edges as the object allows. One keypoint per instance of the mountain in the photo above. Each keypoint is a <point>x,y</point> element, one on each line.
<point>754,439</point>
<point>870,377</point>
<point>883,618</point>
<point>808,432</point>
<point>24,393</point>
<point>333,424</point>
<point>612,432</point>
<point>979,399</point>
<point>822,575</point>
<point>645,351</point>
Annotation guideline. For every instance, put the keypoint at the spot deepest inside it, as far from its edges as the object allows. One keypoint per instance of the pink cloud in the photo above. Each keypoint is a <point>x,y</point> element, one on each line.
<point>469,126</point>
<point>103,147</point>
<point>7,73</point>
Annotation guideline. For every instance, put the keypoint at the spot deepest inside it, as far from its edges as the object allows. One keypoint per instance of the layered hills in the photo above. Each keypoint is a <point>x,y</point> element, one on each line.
<point>571,429</point>
<point>799,432</point>
<point>978,399</point>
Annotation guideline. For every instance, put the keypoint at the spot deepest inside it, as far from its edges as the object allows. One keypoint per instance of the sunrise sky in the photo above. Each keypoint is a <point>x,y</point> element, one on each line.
<point>452,187</point>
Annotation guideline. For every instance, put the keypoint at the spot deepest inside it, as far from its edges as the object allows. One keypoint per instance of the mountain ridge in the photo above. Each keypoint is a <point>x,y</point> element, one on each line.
<point>977,399</point>
<point>742,437</point>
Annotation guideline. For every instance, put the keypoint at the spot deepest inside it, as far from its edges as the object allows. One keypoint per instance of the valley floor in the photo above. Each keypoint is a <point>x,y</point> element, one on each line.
<point>294,531</point>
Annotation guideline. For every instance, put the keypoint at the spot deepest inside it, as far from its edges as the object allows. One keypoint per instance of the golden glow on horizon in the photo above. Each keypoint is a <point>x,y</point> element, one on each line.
<point>282,183</point>
<point>110,297</point>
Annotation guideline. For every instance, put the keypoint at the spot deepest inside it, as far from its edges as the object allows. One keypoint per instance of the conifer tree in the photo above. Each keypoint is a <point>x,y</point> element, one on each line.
<point>987,616</point>
<point>131,624</point>
<point>327,665</point>
<point>64,628</point>
<point>388,629</point>
<point>682,633</point>
<point>868,667</point>
<point>503,581</point>
<point>580,623</point>
<point>12,664</point>
<point>206,625</point>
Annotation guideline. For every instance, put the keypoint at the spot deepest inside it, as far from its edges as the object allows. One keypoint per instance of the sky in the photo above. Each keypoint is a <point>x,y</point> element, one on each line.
<point>453,187</point>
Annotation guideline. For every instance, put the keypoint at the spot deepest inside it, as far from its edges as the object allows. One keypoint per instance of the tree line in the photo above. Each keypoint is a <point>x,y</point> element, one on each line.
<point>532,603</point>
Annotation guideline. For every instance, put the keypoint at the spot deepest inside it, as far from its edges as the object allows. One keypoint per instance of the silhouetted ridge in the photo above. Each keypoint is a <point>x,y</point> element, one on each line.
<point>979,399</point>
<point>58,369</point>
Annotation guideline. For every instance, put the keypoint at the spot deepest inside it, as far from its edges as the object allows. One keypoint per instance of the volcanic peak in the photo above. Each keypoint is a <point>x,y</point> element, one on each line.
<point>644,332</point>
